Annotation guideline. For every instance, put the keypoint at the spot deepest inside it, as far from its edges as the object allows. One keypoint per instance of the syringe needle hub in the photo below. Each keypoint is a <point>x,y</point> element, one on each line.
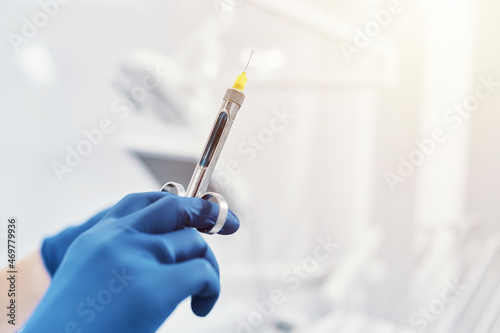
<point>241,80</point>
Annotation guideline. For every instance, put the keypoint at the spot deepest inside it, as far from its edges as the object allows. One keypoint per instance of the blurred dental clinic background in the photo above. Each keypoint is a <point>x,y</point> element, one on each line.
<point>363,164</point>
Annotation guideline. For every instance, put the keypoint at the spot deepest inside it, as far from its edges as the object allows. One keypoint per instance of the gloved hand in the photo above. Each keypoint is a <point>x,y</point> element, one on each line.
<point>129,271</point>
<point>54,247</point>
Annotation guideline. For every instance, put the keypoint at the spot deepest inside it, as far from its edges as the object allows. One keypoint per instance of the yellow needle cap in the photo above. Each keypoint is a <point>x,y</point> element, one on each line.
<point>240,82</point>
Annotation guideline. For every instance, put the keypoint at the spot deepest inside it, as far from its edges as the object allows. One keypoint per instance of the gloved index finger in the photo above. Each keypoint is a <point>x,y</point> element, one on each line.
<point>134,202</point>
<point>231,225</point>
<point>172,213</point>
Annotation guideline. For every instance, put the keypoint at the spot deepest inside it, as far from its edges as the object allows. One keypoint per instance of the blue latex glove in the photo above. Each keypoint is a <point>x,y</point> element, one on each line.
<point>129,271</point>
<point>54,247</point>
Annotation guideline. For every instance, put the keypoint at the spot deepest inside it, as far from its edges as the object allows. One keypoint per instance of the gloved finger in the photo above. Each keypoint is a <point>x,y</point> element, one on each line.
<point>231,225</point>
<point>134,202</point>
<point>180,246</point>
<point>196,278</point>
<point>173,213</point>
<point>202,305</point>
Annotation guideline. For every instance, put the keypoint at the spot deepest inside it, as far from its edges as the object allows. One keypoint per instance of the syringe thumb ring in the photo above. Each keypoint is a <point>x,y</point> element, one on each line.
<point>223,211</point>
<point>178,189</point>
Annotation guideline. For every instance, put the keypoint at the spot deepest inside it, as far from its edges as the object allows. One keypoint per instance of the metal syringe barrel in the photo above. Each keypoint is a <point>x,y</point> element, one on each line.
<point>233,99</point>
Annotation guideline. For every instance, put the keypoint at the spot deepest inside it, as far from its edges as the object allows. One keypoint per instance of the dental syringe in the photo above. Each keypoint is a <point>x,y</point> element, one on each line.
<point>233,100</point>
